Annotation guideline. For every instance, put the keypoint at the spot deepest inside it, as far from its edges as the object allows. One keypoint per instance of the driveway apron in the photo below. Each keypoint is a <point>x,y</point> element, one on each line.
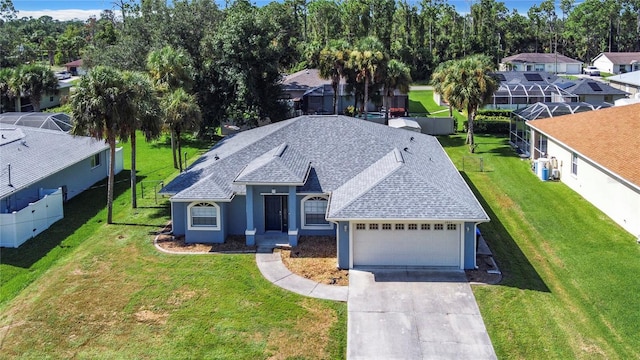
<point>414,314</point>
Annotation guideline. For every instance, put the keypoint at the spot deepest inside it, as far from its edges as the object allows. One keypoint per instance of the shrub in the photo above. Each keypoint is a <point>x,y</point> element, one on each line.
<point>489,127</point>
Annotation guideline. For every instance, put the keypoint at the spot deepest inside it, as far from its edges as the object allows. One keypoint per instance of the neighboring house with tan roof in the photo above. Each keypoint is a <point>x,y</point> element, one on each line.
<point>597,154</point>
<point>617,62</point>
<point>551,63</point>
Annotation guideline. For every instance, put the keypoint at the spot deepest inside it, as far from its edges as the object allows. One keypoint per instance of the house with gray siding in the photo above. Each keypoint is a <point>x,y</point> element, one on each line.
<point>39,170</point>
<point>390,197</point>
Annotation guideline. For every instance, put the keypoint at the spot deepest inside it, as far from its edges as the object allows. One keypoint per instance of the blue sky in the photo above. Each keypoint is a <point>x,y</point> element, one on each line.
<point>83,9</point>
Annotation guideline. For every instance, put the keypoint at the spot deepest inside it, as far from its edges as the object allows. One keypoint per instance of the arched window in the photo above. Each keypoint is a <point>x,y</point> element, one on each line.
<point>314,208</point>
<point>204,216</point>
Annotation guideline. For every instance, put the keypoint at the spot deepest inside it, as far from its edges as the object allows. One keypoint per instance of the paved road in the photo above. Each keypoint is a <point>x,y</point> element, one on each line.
<point>416,314</point>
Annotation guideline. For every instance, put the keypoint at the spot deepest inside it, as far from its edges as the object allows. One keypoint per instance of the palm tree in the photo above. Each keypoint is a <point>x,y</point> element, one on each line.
<point>98,108</point>
<point>366,59</point>
<point>439,77</point>
<point>33,81</point>
<point>397,77</point>
<point>468,85</point>
<point>5,87</point>
<point>332,62</point>
<point>170,69</point>
<point>145,116</point>
<point>182,113</point>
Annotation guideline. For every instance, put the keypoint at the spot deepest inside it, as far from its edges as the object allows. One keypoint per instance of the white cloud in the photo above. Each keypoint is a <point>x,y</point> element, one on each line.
<point>62,14</point>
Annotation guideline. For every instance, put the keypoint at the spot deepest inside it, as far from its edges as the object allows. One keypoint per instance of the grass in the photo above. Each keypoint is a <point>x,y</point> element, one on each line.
<point>421,102</point>
<point>569,271</point>
<point>85,289</point>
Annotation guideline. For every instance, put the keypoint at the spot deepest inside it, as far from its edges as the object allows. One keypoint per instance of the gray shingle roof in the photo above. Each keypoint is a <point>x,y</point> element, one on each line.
<point>541,58</point>
<point>38,153</point>
<point>345,154</point>
<point>304,80</point>
<point>281,165</point>
<point>583,87</point>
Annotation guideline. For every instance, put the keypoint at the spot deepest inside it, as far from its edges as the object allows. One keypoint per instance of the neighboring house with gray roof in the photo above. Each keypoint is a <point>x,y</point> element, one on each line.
<point>390,196</point>
<point>629,82</point>
<point>551,63</point>
<point>39,170</point>
<point>311,94</point>
<point>591,91</point>
<point>617,62</point>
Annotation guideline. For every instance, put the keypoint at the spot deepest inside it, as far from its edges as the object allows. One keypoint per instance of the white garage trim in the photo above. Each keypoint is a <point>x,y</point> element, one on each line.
<point>423,243</point>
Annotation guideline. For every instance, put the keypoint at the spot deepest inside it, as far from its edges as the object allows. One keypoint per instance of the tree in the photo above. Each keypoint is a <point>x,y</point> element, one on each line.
<point>98,111</point>
<point>439,78</point>
<point>333,59</point>
<point>170,70</point>
<point>467,84</point>
<point>182,113</point>
<point>144,115</point>
<point>397,77</point>
<point>5,87</point>
<point>33,81</point>
<point>365,60</point>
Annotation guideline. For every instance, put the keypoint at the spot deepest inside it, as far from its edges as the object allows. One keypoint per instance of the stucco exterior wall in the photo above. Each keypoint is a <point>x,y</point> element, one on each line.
<point>73,179</point>
<point>343,245</point>
<point>604,190</point>
<point>604,65</point>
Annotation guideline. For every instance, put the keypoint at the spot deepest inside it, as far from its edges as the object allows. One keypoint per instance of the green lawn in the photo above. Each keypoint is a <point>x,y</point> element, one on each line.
<point>570,273</point>
<point>85,289</point>
<point>421,103</point>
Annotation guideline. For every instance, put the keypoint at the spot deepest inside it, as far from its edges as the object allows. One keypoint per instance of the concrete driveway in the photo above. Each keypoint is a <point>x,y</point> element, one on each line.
<point>414,314</point>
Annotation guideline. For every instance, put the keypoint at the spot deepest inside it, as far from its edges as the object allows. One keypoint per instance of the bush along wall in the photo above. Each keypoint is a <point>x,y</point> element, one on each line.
<point>491,122</point>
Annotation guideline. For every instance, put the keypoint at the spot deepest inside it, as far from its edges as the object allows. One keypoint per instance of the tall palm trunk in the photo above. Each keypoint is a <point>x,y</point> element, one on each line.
<point>134,202</point>
<point>179,146</point>
<point>335,95</point>
<point>173,150</point>
<point>110,182</point>
<point>385,100</point>
<point>366,96</point>
<point>470,116</point>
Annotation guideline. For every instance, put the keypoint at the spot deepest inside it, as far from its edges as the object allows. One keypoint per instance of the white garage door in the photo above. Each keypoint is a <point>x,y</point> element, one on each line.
<point>408,244</point>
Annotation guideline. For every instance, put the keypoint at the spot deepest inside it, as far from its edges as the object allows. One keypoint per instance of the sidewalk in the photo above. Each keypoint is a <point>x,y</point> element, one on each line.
<point>272,268</point>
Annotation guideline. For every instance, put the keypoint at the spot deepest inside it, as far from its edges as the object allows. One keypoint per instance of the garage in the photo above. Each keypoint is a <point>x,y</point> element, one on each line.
<point>406,244</point>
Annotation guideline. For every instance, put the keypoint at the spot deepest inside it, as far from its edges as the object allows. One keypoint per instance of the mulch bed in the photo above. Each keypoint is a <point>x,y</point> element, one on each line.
<point>480,275</point>
<point>233,243</point>
<point>315,258</point>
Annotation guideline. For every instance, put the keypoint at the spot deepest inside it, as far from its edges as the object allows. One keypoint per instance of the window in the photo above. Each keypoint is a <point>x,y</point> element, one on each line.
<point>452,227</point>
<point>386,226</point>
<point>574,164</point>
<point>399,226</point>
<point>438,227</point>
<point>360,227</point>
<point>204,216</point>
<point>373,226</point>
<point>95,160</point>
<point>425,226</point>
<point>313,210</point>
<point>413,226</point>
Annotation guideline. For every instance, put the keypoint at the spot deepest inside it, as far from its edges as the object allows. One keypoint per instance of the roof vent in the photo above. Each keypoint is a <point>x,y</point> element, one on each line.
<point>280,150</point>
<point>412,139</point>
<point>217,157</point>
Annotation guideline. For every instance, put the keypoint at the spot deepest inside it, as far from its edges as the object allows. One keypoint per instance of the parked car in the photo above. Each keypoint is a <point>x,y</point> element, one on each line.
<point>591,70</point>
<point>63,75</point>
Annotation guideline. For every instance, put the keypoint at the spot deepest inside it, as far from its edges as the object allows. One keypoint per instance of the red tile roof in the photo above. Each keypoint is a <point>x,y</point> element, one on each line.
<point>610,137</point>
<point>74,63</point>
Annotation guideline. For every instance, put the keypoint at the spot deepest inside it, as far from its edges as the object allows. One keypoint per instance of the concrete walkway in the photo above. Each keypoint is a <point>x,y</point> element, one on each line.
<point>414,314</point>
<point>272,268</point>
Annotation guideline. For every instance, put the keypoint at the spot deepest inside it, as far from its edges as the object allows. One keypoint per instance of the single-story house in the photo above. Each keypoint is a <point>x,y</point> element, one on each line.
<point>628,82</point>
<point>552,63</point>
<point>39,170</point>
<point>308,93</point>
<point>519,134</point>
<point>598,158</point>
<point>391,197</point>
<point>76,67</point>
<point>591,91</point>
<point>48,100</point>
<point>617,62</point>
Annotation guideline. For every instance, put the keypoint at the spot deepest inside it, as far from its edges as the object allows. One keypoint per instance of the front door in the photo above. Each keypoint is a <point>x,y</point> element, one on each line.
<point>275,212</point>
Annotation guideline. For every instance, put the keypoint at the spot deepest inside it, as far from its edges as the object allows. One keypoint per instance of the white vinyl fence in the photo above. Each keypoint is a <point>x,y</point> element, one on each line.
<point>20,226</point>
